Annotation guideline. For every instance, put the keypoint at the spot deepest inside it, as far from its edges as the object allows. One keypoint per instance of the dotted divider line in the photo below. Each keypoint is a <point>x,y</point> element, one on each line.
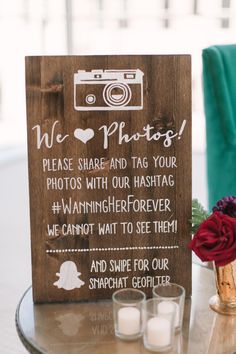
<point>71,250</point>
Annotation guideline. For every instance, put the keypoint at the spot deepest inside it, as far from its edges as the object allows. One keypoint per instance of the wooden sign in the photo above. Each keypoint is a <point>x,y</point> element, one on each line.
<point>109,144</point>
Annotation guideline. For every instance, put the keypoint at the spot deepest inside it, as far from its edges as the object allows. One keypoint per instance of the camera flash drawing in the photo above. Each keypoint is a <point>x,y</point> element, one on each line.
<point>108,90</point>
<point>68,277</point>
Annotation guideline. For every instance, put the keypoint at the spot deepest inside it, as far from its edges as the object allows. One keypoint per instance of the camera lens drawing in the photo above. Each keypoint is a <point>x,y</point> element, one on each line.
<point>108,90</point>
<point>117,94</point>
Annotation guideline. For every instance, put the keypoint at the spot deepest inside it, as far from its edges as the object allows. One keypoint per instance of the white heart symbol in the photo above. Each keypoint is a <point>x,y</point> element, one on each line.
<point>84,135</point>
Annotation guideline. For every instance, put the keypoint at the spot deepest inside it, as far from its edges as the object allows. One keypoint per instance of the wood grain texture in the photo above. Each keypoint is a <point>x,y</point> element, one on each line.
<point>167,102</point>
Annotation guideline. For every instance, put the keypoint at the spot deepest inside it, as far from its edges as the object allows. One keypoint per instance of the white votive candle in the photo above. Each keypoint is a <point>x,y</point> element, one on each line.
<point>158,332</point>
<point>128,321</point>
<point>167,308</point>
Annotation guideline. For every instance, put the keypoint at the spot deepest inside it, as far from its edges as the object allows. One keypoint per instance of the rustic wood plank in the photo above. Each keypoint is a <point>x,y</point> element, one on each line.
<point>50,106</point>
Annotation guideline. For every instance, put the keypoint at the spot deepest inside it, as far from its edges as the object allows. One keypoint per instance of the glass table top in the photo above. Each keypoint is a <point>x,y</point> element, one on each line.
<point>87,328</point>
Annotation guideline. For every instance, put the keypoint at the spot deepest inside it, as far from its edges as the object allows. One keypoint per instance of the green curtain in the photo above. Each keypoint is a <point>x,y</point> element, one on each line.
<point>219,84</point>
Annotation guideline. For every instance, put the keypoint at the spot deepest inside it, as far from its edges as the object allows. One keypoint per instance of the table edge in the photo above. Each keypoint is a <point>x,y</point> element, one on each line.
<point>24,340</point>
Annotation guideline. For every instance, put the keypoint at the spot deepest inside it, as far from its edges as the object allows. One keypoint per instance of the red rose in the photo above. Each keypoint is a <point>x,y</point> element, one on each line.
<point>215,239</point>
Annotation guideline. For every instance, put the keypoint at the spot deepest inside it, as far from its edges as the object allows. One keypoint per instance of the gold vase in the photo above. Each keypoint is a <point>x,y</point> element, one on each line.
<point>225,300</point>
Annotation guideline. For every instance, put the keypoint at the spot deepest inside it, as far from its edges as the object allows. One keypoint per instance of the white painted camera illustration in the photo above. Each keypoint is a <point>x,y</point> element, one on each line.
<point>108,90</point>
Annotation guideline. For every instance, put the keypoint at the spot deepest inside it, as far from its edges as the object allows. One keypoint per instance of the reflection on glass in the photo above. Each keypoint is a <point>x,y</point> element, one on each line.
<point>69,323</point>
<point>223,335</point>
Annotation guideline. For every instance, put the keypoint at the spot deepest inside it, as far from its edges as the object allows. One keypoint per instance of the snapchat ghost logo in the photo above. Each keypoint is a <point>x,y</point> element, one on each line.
<point>68,277</point>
